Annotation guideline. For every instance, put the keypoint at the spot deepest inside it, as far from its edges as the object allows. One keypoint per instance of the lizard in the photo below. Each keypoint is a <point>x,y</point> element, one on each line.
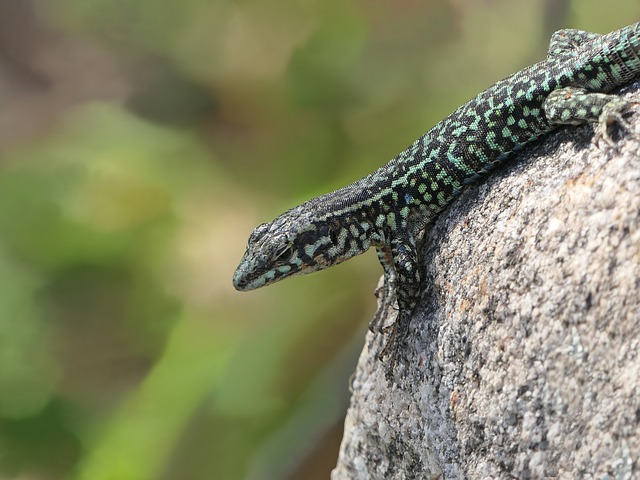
<point>389,208</point>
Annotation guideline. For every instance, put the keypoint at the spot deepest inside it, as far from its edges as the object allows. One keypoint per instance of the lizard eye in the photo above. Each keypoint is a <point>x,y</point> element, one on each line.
<point>284,253</point>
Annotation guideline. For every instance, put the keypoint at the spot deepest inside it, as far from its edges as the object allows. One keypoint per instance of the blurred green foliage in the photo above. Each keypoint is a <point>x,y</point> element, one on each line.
<point>140,142</point>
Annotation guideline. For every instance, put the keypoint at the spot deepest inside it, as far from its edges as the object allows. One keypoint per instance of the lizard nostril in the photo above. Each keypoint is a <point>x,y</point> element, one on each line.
<point>239,282</point>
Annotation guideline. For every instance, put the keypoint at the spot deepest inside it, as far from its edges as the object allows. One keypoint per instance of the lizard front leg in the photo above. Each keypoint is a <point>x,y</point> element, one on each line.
<point>407,291</point>
<point>574,106</point>
<point>386,293</point>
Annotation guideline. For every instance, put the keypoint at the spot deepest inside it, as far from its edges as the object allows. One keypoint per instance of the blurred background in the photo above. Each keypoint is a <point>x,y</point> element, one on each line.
<point>140,143</point>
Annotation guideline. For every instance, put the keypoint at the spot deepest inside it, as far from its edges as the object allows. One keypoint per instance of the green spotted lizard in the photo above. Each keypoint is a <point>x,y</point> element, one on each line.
<point>388,208</point>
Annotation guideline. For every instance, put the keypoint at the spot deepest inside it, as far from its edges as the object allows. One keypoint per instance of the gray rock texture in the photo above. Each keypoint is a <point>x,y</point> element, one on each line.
<point>523,359</point>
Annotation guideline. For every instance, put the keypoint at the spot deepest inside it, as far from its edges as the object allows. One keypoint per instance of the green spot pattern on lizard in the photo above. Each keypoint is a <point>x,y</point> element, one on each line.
<point>388,208</point>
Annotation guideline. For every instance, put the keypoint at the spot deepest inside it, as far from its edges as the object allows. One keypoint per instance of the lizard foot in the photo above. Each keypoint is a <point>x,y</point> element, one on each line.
<point>396,332</point>
<point>386,295</point>
<point>613,113</point>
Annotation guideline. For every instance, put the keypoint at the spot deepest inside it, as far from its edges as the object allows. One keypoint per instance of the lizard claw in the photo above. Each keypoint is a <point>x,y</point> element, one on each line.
<point>613,114</point>
<point>386,301</point>
<point>390,349</point>
<point>396,332</point>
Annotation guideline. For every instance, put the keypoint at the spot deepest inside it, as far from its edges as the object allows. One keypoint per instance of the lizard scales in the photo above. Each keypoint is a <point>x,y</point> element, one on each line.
<point>389,207</point>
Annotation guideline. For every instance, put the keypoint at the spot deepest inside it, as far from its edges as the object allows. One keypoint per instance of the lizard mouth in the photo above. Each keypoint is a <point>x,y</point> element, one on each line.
<point>243,281</point>
<point>250,276</point>
<point>239,282</point>
<point>254,274</point>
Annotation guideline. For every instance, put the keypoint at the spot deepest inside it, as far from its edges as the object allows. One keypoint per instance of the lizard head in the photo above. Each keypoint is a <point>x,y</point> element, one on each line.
<point>294,243</point>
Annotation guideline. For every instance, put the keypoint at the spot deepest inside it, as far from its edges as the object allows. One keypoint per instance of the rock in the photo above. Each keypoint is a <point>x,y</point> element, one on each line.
<point>523,358</point>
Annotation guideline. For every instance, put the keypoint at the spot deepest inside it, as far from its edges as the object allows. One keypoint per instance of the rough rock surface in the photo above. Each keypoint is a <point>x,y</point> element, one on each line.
<point>523,359</point>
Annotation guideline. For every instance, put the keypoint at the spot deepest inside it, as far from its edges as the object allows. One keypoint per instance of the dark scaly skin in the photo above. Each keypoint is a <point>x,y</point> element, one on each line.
<point>388,208</point>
